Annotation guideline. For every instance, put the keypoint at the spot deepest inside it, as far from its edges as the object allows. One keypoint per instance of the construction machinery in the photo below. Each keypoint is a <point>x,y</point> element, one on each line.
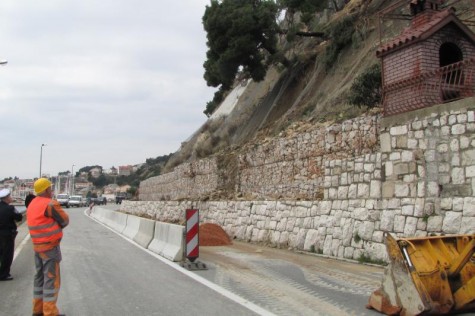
<point>427,276</point>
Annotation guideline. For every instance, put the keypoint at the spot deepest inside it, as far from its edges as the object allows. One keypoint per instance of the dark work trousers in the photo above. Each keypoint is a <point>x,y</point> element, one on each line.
<point>7,248</point>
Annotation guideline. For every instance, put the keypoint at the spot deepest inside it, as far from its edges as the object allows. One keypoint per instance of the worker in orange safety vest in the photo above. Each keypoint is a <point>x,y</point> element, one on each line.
<point>46,220</point>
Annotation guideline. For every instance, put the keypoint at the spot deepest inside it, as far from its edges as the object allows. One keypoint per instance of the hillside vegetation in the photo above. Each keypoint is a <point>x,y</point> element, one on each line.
<point>312,89</point>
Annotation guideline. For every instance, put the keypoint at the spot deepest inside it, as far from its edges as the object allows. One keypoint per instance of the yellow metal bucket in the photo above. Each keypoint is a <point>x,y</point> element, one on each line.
<point>427,276</point>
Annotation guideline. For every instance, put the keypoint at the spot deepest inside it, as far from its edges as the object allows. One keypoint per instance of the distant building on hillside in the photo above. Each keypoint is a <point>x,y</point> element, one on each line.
<point>125,170</point>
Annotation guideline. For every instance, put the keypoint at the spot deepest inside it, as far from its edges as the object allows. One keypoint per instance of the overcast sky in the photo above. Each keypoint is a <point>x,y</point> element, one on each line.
<point>109,83</point>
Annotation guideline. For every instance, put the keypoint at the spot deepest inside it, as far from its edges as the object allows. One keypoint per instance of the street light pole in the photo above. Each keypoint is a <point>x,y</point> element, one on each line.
<point>72,180</point>
<point>41,156</point>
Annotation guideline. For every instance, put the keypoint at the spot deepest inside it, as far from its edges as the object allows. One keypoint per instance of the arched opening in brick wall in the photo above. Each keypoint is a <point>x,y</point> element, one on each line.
<point>449,53</point>
<point>452,77</point>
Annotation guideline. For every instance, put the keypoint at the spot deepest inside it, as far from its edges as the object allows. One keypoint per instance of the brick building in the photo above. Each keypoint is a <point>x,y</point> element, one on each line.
<point>430,62</point>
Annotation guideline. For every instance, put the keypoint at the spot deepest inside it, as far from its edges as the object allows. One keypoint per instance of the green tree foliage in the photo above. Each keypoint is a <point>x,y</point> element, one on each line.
<point>304,6</point>
<point>366,88</point>
<point>341,36</point>
<point>241,35</point>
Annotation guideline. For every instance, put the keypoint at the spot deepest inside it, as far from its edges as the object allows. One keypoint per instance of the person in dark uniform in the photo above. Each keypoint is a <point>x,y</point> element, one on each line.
<point>8,232</point>
<point>29,198</point>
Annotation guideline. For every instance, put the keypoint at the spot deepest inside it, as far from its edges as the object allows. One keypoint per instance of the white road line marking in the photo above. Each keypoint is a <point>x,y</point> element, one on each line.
<point>241,301</point>
<point>20,247</point>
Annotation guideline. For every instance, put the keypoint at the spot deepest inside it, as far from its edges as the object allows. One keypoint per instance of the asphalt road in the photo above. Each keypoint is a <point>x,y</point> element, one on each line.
<point>288,283</point>
<point>104,274</point>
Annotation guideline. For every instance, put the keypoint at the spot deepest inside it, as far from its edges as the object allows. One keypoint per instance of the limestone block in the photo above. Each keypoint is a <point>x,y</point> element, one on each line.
<point>337,233</point>
<point>401,190</point>
<point>327,246</point>
<point>388,169</point>
<point>464,142</point>
<point>307,222</point>
<point>471,116</point>
<point>408,210</point>
<point>452,222</point>
<point>434,223</point>
<point>366,230</point>
<point>369,167</point>
<point>398,130</point>
<point>401,141</point>
<point>411,226</point>
<point>432,189</point>
<point>468,226</point>
<point>314,210</point>
<point>281,226</point>
<point>468,157</point>
<point>311,239</point>
<point>458,129</point>
<point>393,156</point>
<point>263,235</point>
<point>378,236</point>
<point>361,214</point>
<point>342,192</point>
<point>376,251</point>
<point>456,160</point>
<point>458,176</point>
<point>399,223</point>
<point>290,224</point>
<point>324,208</point>
<point>284,239</point>
<point>363,190</point>
<point>352,191</point>
<point>387,220</point>
<point>388,189</point>
<point>407,155</point>
<point>412,143</point>
<point>335,246</point>
<point>419,207</point>
<point>348,252</point>
<point>469,207</point>
<point>385,141</point>
<point>333,193</point>
<point>470,171</point>
<point>401,168</point>
<point>300,239</point>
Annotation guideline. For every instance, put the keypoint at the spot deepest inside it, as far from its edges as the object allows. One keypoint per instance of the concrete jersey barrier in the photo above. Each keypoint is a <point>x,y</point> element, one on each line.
<point>174,246</point>
<point>116,220</point>
<point>168,241</point>
<point>132,227</point>
<point>161,238</point>
<point>146,232</point>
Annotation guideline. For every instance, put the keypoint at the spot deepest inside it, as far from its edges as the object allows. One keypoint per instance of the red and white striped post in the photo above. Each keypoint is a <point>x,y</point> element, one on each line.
<point>192,234</point>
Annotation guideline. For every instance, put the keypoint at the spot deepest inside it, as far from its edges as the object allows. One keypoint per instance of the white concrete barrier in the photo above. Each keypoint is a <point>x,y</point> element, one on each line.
<point>98,213</point>
<point>168,241</point>
<point>132,226</point>
<point>162,238</point>
<point>146,232</point>
<point>174,245</point>
<point>116,220</point>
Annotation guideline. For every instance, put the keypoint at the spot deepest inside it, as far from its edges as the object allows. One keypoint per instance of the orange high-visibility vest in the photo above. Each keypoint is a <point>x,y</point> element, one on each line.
<point>42,229</point>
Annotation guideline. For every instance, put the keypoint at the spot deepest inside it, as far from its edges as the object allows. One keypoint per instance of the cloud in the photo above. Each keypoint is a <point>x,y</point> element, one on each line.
<point>101,82</point>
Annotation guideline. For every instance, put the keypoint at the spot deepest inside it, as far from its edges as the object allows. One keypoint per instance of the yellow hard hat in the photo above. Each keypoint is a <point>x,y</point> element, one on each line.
<point>41,185</point>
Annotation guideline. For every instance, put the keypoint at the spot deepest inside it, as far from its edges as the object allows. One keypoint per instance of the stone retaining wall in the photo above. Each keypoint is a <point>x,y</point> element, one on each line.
<point>420,181</point>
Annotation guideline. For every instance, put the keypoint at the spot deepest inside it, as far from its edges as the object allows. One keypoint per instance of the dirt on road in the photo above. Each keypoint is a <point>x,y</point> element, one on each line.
<point>289,283</point>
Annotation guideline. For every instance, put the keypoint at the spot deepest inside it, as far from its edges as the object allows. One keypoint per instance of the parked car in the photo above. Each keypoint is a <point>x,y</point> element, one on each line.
<point>63,199</point>
<point>77,201</point>
<point>101,200</point>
